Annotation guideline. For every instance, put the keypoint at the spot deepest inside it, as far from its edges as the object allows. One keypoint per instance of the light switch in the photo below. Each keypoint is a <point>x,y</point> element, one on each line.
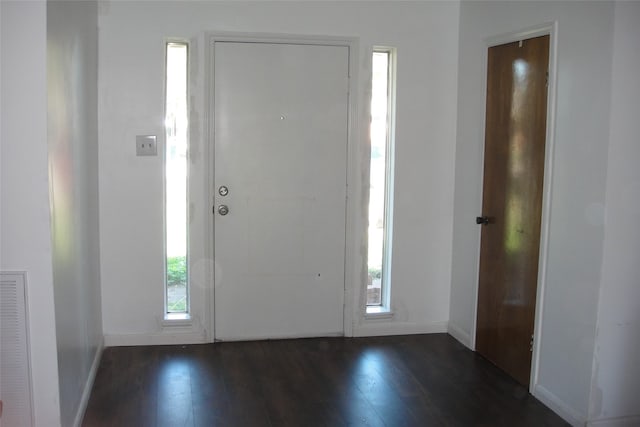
<point>146,145</point>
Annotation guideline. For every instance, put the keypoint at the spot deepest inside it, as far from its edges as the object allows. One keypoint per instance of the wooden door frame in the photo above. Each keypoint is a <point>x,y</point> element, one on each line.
<point>354,211</point>
<point>550,29</point>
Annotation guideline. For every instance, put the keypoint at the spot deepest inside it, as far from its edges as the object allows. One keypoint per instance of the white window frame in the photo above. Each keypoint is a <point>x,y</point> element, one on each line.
<point>173,317</point>
<point>384,308</point>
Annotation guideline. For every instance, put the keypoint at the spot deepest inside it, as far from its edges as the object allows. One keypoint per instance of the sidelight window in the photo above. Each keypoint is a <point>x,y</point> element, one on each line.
<point>176,175</point>
<point>381,180</point>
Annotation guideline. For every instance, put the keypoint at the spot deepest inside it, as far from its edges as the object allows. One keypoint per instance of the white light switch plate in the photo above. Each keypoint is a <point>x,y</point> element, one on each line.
<point>146,145</point>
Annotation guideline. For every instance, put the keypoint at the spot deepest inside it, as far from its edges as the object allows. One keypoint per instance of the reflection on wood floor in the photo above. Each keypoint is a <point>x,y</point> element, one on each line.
<point>416,380</point>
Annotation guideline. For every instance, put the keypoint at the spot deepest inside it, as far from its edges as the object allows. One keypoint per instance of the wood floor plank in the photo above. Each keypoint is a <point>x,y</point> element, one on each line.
<point>417,380</point>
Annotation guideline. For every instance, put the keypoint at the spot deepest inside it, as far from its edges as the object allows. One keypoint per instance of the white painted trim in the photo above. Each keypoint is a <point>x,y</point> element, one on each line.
<point>381,328</point>
<point>353,209</point>
<point>459,334</point>
<point>280,337</point>
<point>550,29</point>
<point>616,422</point>
<point>177,319</point>
<point>182,326</point>
<point>209,174</point>
<point>388,215</point>
<point>377,313</point>
<point>527,33</point>
<point>547,190</point>
<point>275,38</point>
<point>177,338</point>
<point>483,114</point>
<point>359,191</point>
<point>554,403</point>
<point>210,185</point>
<point>88,386</point>
<point>162,147</point>
<point>186,325</point>
<point>167,333</point>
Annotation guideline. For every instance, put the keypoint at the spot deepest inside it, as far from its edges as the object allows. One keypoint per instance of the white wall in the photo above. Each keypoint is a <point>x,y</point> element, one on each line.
<point>24,197</point>
<point>585,37</point>
<point>72,67</point>
<point>616,376</point>
<point>131,102</point>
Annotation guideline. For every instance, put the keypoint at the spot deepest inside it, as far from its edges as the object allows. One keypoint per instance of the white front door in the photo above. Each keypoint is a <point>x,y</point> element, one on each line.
<point>280,137</point>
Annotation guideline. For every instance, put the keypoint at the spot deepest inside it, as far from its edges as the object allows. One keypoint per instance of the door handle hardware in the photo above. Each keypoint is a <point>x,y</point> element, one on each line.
<point>223,210</point>
<point>484,220</point>
<point>223,190</point>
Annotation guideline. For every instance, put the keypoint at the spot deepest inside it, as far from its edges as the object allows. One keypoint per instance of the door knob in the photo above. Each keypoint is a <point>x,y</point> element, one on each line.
<point>484,220</point>
<point>223,210</point>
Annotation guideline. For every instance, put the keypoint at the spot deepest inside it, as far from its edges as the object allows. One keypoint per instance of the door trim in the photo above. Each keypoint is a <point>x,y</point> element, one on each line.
<point>353,210</point>
<point>550,29</point>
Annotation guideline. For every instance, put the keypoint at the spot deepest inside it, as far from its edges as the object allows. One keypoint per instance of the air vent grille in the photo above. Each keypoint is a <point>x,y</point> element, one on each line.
<point>15,375</point>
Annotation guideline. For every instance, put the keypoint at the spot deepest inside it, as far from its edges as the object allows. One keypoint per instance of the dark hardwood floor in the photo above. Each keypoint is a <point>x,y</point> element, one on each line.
<point>416,380</point>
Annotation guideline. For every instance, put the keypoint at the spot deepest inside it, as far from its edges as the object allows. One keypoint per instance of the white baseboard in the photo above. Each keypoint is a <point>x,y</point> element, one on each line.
<point>629,421</point>
<point>382,328</point>
<point>281,337</point>
<point>177,338</point>
<point>88,386</point>
<point>462,336</point>
<point>554,403</point>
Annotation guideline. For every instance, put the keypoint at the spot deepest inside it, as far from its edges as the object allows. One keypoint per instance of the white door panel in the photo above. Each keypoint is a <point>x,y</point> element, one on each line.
<point>281,114</point>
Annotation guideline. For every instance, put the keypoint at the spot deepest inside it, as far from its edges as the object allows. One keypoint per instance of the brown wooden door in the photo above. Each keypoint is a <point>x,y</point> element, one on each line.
<point>512,203</point>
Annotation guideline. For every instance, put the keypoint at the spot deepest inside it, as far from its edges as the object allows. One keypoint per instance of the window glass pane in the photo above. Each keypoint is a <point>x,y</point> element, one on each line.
<point>177,297</point>
<point>378,174</point>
